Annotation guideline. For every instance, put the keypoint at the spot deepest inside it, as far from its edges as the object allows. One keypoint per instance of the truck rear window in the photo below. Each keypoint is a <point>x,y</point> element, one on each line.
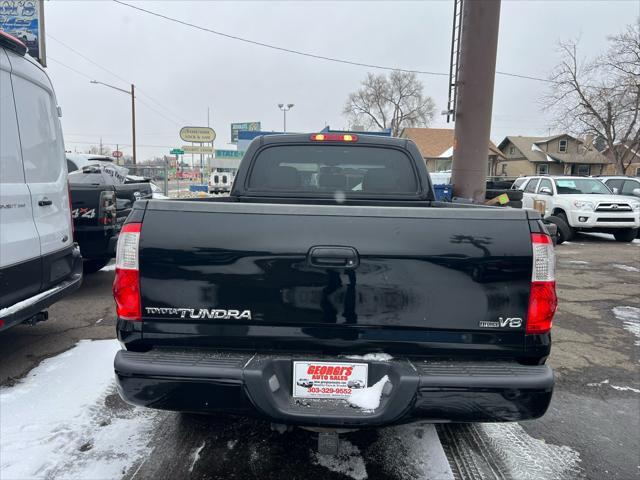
<point>333,168</point>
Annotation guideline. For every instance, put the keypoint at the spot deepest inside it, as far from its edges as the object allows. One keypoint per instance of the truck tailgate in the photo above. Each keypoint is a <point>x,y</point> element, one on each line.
<point>324,278</point>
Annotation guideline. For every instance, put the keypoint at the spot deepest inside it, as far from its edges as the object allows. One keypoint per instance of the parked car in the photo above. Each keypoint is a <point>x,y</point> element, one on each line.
<point>101,199</point>
<point>621,185</point>
<point>221,180</point>
<point>39,261</point>
<point>210,319</point>
<point>77,161</point>
<point>583,204</point>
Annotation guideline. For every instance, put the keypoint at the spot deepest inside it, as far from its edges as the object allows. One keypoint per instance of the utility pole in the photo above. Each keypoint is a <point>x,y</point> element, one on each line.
<point>133,111</point>
<point>477,68</point>
<point>133,120</point>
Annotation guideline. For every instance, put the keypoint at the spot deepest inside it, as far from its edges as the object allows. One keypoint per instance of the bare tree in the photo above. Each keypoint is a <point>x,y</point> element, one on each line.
<point>601,97</point>
<point>392,102</point>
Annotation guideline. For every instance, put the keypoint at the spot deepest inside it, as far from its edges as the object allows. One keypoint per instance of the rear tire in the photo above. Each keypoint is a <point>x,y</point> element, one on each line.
<point>92,266</point>
<point>565,232</point>
<point>626,234</point>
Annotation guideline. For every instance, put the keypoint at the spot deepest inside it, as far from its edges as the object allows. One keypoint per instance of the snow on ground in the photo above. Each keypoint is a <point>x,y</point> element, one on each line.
<point>348,462</point>
<point>626,268</point>
<point>372,357</point>
<point>108,268</point>
<point>66,420</point>
<point>368,398</point>
<point>527,458</point>
<point>578,262</point>
<point>615,387</point>
<point>630,317</point>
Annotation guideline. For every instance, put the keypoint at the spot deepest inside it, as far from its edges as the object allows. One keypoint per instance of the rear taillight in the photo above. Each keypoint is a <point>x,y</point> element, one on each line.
<point>126,285</point>
<point>542,299</point>
<point>107,208</point>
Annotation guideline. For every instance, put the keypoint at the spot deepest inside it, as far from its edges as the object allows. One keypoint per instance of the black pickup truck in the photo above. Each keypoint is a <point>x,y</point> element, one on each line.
<point>331,290</point>
<point>101,200</point>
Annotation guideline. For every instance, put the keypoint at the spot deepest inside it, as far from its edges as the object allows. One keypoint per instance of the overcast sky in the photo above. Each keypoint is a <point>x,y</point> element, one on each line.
<point>180,71</point>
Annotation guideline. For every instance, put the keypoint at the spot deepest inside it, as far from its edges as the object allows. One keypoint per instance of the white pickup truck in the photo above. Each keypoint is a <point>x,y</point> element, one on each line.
<point>579,203</point>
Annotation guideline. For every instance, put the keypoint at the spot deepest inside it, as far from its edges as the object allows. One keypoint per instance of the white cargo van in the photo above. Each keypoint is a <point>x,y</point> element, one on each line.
<point>39,261</point>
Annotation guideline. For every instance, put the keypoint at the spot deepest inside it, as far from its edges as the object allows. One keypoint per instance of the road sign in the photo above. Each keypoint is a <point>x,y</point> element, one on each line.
<point>197,149</point>
<point>236,127</point>
<point>197,134</point>
<point>229,154</point>
<point>116,154</point>
<point>176,151</point>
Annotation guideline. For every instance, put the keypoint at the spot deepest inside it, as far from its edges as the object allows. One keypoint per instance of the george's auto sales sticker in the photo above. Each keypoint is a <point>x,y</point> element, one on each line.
<point>327,379</point>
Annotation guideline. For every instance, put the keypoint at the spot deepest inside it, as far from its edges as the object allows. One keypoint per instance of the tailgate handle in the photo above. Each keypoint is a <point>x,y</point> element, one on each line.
<point>340,257</point>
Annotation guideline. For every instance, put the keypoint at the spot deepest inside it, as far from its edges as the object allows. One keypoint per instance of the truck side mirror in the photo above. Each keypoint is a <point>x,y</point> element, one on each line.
<point>546,191</point>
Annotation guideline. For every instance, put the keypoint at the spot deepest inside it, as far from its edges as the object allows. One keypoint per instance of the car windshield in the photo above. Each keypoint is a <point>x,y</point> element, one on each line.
<point>356,170</point>
<point>573,186</point>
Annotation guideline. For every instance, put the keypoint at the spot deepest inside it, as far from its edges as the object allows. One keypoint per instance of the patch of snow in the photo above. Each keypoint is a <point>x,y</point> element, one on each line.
<point>630,317</point>
<point>528,458</point>
<point>626,268</point>
<point>615,387</point>
<point>447,153</point>
<point>368,398</point>
<point>348,462</point>
<point>606,236</point>
<point>56,423</point>
<point>231,444</point>
<point>196,455</point>
<point>636,241</point>
<point>108,268</point>
<point>99,321</point>
<point>629,389</point>
<point>372,357</point>
<point>578,262</point>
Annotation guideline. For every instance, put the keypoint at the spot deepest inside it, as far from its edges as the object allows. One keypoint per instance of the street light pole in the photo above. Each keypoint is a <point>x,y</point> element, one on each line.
<point>133,110</point>
<point>285,109</point>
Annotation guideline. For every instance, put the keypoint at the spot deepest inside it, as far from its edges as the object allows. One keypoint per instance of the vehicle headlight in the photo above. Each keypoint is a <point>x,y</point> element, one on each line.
<point>635,206</point>
<point>583,205</point>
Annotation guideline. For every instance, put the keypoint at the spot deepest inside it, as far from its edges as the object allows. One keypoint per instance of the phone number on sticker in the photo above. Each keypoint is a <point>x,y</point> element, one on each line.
<point>329,390</point>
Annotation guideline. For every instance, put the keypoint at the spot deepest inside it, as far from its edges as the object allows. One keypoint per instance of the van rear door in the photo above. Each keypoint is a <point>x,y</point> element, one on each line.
<point>43,155</point>
<point>20,266</point>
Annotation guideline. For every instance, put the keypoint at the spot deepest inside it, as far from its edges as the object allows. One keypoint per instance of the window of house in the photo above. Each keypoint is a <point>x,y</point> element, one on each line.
<point>542,169</point>
<point>512,150</point>
<point>638,172</point>
<point>562,146</point>
<point>444,165</point>
<point>583,170</point>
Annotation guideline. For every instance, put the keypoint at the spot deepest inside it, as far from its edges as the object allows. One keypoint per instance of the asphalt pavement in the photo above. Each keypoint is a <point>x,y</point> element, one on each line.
<point>592,429</point>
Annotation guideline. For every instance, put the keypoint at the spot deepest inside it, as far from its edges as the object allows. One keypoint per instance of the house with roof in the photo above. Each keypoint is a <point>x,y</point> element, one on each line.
<point>436,147</point>
<point>561,154</point>
<point>629,154</point>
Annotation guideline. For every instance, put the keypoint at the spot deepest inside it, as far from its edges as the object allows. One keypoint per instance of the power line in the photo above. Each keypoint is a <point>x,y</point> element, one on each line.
<point>306,54</point>
<point>88,59</point>
<point>49,57</point>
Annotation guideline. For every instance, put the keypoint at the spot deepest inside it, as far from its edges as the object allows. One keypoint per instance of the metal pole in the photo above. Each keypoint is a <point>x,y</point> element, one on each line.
<point>133,120</point>
<point>478,47</point>
<point>285,120</point>
<point>166,175</point>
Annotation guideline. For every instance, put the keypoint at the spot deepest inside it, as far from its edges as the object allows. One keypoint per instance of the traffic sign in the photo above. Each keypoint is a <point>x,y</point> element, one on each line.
<point>116,154</point>
<point>197,148</point>
<point>176,151</point>
<point>197,134</point>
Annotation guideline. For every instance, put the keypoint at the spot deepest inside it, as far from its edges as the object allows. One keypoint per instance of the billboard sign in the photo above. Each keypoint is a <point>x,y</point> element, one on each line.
<point>229,154</point>
<point>197,148</point>
<point>24,19</point>
<point>236,127</point>
<point>197,134</point>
